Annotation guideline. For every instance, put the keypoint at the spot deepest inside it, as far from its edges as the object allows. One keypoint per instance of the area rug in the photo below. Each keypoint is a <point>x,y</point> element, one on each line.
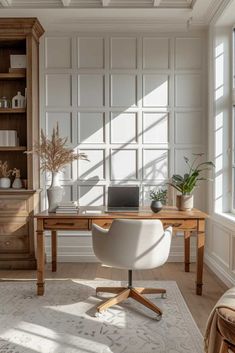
<point>63,321</point>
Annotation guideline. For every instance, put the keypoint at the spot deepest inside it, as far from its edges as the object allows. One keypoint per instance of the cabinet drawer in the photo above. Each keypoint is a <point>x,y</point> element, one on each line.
<point>11,205</point>
<point>14,244</point>
<point>184,224</point>
<point>13,228</point>
<point>104,223</point>
<point>64,223</point>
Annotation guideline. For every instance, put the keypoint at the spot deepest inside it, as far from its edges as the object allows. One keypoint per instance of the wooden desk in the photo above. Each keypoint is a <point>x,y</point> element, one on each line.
<point>187,222</point>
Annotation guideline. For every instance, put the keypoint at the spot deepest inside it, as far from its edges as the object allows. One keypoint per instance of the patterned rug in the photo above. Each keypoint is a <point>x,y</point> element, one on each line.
<point>63,321</point>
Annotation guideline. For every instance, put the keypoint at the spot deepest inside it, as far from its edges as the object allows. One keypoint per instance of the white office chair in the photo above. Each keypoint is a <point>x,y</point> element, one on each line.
<point>132,245</point>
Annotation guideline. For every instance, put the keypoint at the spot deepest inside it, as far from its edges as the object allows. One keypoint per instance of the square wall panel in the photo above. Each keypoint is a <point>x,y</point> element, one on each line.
<point>123,128</point>
<point>58,90</point>
<point>155,90</point>
<point>91,127</point>
<point>58,52</point>
<point>68,193</point>
<point>123,90</point>
<point>155,127</point>
<point>221,244</point>
<point>188,128</point>
<point>90,53</point>
<point>90,195</point>
<point>180,153</point>
<point>123,53</point>
<point>90,90</point>
<point>193,48</point>
<point>188,90</point>
<point>124,164</point>
<point>95,168</point>
<point>155,164</point>
<point>156,53</point>
<point>65,124</point>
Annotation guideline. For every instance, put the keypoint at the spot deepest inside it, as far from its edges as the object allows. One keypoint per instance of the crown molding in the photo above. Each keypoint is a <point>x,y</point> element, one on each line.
<point>215,10</point>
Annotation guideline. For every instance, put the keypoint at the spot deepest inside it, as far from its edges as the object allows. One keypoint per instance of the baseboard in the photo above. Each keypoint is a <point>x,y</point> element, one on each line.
<point>223,275</point>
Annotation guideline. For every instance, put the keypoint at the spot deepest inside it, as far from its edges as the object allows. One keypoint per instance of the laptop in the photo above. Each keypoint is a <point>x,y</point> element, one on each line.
<point>123,199</point>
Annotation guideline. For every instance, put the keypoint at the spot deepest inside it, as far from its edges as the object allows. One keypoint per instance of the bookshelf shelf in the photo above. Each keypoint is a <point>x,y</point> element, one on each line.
<point>12,76</point>
<point>12,148</point>
<point>12,110</point>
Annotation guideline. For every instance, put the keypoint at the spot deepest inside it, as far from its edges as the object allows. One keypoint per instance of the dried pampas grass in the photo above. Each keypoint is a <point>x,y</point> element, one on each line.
<point>53,153</point>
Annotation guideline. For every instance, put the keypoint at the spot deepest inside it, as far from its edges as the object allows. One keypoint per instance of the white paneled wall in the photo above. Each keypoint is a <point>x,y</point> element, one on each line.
<point>134,103</point>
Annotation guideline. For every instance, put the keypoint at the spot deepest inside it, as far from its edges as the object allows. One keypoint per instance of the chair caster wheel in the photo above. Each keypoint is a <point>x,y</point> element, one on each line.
<point>158,317</point>
<point>164,296</point>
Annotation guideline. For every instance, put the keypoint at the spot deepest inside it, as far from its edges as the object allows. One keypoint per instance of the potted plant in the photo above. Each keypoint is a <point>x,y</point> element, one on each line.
<point>54,155</point>
<point>187,183</point>
<point>158,199</point>
<point>5,181</point>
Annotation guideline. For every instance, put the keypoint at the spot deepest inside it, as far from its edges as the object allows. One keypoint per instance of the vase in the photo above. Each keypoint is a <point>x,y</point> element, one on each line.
<point>54,192</point>
<point>17,184</point>
<point>184,202</point>
<point>5,183</point>
<point>156,206</point>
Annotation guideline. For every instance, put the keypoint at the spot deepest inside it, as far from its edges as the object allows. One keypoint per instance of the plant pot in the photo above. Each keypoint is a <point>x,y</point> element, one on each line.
<point>184,202</point>
<point>156,206</point>
<point>54,193</point>
<point>5,183</point>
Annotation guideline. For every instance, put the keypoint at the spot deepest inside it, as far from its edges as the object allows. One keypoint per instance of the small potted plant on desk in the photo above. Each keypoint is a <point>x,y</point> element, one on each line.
<point>158,199</point>
<point>187,183</point>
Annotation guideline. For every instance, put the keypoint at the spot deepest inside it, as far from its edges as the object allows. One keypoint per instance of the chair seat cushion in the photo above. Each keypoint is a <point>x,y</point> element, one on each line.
<point>226,324</point>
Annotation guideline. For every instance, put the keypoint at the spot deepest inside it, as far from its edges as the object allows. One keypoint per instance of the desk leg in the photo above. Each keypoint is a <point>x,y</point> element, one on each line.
<point>54,250</point>
<point>40,257</point>
<point>187,251</point>
<point>200,255</point>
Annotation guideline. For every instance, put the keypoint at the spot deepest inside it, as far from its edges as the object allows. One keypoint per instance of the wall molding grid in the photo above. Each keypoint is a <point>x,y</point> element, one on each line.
<point>135,104</point>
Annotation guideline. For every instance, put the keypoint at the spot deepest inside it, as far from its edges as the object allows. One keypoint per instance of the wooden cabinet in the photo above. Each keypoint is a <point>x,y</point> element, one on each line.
<point>17,207</point>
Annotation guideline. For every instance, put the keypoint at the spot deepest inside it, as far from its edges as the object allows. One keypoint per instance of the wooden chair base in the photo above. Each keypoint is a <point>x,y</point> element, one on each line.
<point>135,293</point>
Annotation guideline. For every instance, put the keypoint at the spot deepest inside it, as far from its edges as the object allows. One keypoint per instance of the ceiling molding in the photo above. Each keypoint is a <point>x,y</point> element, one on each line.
<point>6,3</point>
<point>215,10</point>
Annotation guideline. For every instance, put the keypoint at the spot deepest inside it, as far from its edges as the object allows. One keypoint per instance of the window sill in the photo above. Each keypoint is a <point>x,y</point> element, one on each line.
<point>225,218</point>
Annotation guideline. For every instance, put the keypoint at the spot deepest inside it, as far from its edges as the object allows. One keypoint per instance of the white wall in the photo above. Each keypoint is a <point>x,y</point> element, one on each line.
<point>136,104</point>
<point>220,244</point>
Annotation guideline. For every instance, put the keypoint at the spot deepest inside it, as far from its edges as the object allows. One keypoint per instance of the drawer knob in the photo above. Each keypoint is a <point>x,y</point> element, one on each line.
<point>7,243</point>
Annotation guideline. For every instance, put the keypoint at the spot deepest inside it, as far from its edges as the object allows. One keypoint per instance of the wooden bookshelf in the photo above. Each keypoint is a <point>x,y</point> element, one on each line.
<point>17,207</point>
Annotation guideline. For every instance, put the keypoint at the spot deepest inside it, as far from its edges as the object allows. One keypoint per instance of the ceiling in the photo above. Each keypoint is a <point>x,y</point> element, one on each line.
<point>115,14</point>
<point>168,4</point>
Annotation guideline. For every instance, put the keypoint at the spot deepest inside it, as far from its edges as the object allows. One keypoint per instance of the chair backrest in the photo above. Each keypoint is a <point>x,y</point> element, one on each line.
<point>133,244</point>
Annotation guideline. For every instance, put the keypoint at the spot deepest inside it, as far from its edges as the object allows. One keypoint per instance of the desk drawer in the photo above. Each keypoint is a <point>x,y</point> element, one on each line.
<point>64,223</point>
<point>104,223</point>
<point>14,244</point>
<point>183,224</point>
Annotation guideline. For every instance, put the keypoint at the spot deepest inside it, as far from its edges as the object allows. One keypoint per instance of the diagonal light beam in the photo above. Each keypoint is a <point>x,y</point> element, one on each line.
<point>6,3</point>
<point>156,3</point>
<point>66,3</point>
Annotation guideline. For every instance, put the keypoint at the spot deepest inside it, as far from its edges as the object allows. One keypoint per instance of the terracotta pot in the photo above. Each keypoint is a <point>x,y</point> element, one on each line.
<point>184,202</point>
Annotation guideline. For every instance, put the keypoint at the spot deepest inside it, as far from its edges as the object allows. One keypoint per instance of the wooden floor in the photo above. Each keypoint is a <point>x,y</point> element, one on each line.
<point>200,307</point>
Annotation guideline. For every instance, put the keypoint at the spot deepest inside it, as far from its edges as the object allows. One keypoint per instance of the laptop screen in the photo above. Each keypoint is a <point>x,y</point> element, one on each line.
<point>123,196</point>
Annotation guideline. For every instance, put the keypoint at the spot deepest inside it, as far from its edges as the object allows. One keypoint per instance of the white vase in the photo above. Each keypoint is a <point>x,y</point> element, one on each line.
<point>54,192</point>
<point>17,184</point>
<point>5,183</point>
